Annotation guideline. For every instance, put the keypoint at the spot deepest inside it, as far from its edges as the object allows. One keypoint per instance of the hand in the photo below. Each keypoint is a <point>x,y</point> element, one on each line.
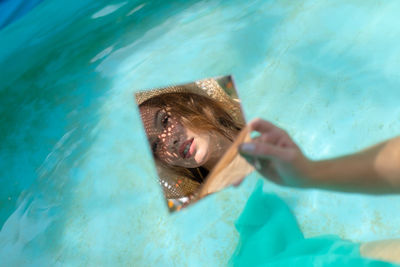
<point>275,155</point>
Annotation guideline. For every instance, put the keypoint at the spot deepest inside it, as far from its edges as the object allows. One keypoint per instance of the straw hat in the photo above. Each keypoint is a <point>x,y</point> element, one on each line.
<point>175,186</point>
<point>208,88</point>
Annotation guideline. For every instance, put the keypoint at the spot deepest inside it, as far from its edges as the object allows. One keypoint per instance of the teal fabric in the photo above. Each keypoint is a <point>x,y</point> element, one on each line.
<point>270,236</point>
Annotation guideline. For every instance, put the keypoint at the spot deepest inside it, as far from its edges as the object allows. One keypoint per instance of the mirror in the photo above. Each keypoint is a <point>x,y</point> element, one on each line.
<point>193,131</point>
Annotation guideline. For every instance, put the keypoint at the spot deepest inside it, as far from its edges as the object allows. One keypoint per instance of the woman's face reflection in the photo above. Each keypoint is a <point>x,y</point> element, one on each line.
<point>173,143</point>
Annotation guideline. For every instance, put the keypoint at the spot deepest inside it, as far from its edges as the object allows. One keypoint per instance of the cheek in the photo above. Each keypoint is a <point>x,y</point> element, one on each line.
<point>167,156</point>
<point>204,140</point>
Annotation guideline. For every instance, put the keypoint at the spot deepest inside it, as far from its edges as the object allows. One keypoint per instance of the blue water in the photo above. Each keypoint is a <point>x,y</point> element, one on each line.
<point>12,10</point>
<point>77,183</point>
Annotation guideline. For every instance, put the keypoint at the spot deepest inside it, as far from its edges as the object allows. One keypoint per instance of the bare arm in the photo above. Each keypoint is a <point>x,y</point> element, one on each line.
<point>374,170</point>
<point>276,156</point>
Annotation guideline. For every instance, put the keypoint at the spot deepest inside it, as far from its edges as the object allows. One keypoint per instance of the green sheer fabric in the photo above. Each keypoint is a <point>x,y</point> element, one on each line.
<point>270,236</point>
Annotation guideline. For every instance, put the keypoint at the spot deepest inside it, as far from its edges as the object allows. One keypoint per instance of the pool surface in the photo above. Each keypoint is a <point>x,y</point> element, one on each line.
<point>77,185</point>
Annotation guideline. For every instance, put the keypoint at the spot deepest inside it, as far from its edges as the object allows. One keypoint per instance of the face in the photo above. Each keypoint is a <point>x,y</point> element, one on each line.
<point>171,142</point>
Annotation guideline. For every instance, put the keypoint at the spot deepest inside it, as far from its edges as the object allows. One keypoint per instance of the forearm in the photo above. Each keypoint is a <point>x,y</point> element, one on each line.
<point>374,170</point>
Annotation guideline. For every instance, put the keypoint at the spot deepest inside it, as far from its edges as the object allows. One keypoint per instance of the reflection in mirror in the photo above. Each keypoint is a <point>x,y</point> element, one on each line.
<point>193,131</point>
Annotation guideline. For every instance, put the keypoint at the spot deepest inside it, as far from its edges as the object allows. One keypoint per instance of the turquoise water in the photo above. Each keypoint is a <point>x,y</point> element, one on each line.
<point>12,10</point>
<point>77,183</point>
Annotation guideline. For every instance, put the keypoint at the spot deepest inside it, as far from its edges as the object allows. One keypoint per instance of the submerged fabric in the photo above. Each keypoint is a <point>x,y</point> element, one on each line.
<point>269,235</point>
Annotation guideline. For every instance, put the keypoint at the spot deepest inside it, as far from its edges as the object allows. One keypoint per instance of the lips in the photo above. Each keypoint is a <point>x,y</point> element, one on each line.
<point>184,149</point>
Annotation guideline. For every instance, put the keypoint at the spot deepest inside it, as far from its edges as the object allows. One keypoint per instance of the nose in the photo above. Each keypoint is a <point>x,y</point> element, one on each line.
<point>171,148</point>
<point>170,141</point>
<point>174,143</point>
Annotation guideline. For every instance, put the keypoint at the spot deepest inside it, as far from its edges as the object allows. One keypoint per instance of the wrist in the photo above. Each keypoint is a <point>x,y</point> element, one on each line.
<point>309,172</point>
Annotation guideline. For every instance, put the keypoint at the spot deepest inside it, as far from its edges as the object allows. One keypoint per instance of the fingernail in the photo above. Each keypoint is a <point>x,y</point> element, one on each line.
<point>247,147</point>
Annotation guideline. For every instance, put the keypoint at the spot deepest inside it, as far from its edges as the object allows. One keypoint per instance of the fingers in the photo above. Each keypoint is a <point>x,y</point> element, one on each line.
<point>273,143</point>
<point>265,127</point>
<point>270,133</point>
<point>271,137</point>
<point>261,125</point>
<point>265,151</point>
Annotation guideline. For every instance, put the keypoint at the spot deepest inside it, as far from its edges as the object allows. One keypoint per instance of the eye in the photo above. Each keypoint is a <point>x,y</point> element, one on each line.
<point>165,120</point>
